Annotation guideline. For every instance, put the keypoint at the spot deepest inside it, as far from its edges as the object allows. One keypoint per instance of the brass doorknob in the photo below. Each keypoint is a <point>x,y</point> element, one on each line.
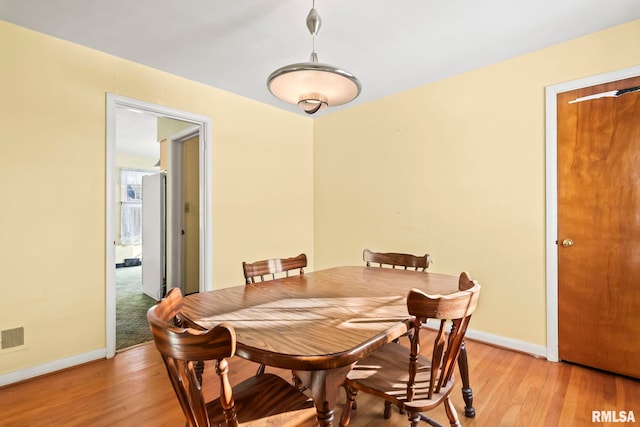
<point>567,243</point>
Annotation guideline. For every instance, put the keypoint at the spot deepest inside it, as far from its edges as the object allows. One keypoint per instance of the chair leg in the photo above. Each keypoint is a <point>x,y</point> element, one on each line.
<point>410,334</point>
<point>260,370</point>
<point>414,419</point>
<point>199,369</point>
<point>297,382</point>
<point>467,393</point>
<point>350,404</point>
<point>387,410</point>
<point>429,421</point>
<point>451,413</point>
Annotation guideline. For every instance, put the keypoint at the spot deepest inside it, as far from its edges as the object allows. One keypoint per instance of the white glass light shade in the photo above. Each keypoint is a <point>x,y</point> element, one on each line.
<point>296,82</point>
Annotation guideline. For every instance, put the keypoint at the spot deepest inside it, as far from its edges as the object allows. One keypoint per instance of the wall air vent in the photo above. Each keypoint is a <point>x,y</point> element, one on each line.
<point>10,338</point>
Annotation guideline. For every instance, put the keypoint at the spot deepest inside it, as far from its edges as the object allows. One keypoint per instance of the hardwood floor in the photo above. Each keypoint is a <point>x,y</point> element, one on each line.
<point>132,389</point>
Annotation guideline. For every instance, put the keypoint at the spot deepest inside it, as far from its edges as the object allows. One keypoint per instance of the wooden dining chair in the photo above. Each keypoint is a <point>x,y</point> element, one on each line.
<point>399,260</point>
<point>421,263</point>
<point>396,260</point>
<point>270,268</point>
<point>265,400</point>
<point>406,378</point>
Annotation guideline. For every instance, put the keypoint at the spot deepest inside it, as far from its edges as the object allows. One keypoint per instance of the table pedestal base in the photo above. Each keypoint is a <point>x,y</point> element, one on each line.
<point>325,388</point>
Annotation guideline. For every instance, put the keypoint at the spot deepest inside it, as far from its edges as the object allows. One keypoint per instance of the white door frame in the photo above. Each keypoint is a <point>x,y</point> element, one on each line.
<point>206,203</point>
<point>552,193</point>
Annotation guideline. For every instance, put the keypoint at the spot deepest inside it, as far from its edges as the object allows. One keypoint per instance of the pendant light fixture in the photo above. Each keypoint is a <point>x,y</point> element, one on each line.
<point>313,86</point>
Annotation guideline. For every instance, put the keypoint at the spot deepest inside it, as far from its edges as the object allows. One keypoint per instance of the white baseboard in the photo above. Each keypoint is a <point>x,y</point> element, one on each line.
<point>508,343</point>
<point>498,341</point>
<point>49,367</point>
<point>56,365</point>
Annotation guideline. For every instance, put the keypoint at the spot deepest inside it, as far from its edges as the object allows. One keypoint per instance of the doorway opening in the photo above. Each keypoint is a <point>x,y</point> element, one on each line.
<point>176,129</point>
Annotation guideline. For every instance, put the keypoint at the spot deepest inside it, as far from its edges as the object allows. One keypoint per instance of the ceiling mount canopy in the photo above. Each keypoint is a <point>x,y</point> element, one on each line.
<point>313,86</point>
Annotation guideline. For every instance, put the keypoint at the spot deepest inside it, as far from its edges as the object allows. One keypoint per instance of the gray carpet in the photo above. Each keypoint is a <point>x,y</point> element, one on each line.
<point>131,308</point>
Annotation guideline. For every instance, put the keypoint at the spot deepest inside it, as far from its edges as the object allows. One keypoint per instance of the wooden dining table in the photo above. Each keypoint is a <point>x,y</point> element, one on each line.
<point>321,323</point>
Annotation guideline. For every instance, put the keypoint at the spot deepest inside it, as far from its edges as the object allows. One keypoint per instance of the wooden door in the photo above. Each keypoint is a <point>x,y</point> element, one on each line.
<point>191,200</point>
<point>599,228</point>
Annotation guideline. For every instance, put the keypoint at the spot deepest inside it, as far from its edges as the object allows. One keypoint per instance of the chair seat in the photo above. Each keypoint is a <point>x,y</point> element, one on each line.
<point>380,374</point>
<point>266,400</point>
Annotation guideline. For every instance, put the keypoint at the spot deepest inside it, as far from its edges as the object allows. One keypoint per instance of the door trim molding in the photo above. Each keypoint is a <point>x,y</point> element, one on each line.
<point>551,161</point>
<point>206,200</point>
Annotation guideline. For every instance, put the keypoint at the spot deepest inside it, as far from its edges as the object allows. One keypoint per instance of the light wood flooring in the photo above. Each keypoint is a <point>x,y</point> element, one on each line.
<point>132,389</point>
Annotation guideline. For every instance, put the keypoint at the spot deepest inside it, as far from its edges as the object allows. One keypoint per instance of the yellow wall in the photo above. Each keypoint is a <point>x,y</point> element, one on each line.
<point>52,169</point>
<point>168,127</point>
<point>457,169</point>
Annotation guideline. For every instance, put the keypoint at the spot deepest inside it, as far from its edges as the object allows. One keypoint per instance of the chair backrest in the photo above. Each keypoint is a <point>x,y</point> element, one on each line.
<point>418,263</point>
<point>183,348</point>
<point>271,267</point>
<point>457,308</point>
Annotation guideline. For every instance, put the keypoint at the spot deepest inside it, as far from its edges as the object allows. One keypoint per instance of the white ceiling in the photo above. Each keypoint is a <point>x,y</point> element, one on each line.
<point>391,46</point>
<point>137,133</point>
